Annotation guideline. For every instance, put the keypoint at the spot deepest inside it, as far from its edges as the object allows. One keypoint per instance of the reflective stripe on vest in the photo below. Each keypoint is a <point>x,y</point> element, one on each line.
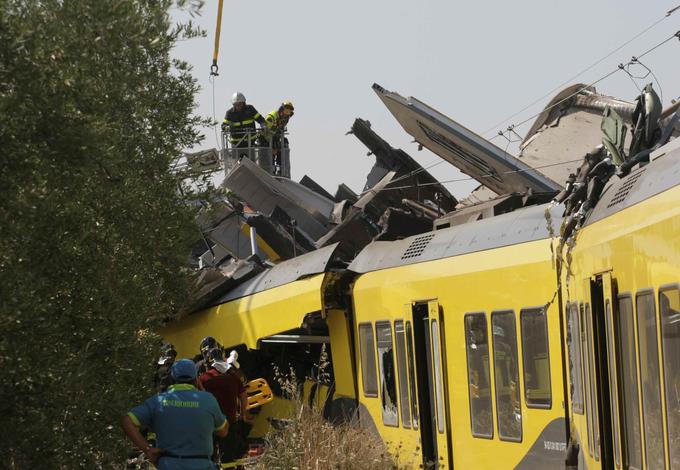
<point>240,123</point>
<point>243,137</point>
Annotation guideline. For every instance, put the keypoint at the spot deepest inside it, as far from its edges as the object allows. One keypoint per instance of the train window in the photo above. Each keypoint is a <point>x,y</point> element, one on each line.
<point>669,307</point>
<point>388,384</point>
<point>477,345</point>
<point>535,358</point>
<point>412,374</point>
<point>613,394</point>
<point>400,345</point>
<point>439,381</point>
<point>650,378</point>
<point>629,392</point>
<point>367,351</point>
<point>574,342</point>
<point>506,375</point>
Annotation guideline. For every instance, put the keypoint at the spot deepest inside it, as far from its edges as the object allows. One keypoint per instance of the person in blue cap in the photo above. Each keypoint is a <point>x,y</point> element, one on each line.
<point>184,420</point>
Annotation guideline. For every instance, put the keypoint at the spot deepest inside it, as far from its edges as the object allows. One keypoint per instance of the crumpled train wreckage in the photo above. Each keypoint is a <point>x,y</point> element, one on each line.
<point>580,141</point>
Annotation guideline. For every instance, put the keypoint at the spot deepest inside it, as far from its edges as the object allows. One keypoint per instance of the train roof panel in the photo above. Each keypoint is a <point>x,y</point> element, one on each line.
<point>286,272</point>
<point>640,184</point>
<point>471,153</point>
<point>523,225</point>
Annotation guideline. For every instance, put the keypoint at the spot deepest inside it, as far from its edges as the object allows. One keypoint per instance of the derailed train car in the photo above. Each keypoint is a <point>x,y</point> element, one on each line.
<point>458,333</point>
<point>280,325</point>
<point>621,306</point>
<point>469,347</point>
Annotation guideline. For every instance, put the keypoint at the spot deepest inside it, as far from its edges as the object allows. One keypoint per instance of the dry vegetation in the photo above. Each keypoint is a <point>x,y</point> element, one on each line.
<point>309,442</point>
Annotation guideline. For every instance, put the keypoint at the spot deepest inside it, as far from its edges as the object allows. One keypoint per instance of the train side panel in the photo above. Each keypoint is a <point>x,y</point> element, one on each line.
<point>248,319</point>
<point>634,253</point>
<point>503,384</point>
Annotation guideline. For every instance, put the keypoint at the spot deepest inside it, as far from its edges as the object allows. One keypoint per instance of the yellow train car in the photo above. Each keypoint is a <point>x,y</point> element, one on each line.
<point>623,319</point>
<point>279,323</point>
<point>461,348</point>
<point>459,343</point>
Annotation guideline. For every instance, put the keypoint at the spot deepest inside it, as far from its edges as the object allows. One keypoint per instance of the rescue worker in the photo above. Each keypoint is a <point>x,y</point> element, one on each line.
<point>277,121</point>
<point>243,426</point>
<point>240,121</point>
<point>228,389</point>
<point>162,378</point>
<point>200,359</point>
<point>183,419</point>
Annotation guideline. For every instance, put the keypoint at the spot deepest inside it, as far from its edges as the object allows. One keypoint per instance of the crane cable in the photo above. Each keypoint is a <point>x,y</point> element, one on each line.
<point>214,68</point>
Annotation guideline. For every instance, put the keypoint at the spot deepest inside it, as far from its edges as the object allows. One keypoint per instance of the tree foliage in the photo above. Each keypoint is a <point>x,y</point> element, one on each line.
<point>94,234</point>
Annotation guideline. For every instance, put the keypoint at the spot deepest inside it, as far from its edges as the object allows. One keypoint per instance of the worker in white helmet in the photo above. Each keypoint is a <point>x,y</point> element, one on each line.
<point>240,122</point>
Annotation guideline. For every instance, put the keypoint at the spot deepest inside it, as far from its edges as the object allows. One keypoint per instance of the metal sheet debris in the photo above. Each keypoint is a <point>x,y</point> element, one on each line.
<point>268,230</point>
<point>472,154</point>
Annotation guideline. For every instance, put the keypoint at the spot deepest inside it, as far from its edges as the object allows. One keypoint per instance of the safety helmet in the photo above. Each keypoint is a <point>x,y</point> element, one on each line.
<point>168,350</point>
<point>287,108</point>
<point>168,354</point>
<point>215,355</point>
<point>238,97</point>
<point>208,343</point>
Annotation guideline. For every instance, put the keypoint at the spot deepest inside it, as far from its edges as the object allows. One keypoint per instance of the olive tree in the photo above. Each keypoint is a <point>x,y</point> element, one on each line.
<point>94,233</point>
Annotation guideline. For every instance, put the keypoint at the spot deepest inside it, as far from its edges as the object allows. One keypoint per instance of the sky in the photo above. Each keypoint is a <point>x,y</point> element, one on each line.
<point>476,62</point>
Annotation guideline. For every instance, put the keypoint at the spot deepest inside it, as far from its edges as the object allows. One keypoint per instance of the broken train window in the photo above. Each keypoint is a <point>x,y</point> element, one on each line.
<point>388,386</point>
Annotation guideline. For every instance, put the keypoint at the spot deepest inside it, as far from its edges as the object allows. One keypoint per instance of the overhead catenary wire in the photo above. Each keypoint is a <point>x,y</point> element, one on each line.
<point>417,171</point>
<point>411,174</point>
<point>588,68</point>
<point>513,126</point>
<point>633,60</point>
<point>633,78</point>
<point>470,178</point>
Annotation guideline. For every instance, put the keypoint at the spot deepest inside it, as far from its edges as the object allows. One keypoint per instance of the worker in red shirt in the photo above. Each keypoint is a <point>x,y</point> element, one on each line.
<point>230,392</point>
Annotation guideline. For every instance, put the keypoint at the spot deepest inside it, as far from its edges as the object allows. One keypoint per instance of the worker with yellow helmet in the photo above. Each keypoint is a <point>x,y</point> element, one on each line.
<point>277,120</point>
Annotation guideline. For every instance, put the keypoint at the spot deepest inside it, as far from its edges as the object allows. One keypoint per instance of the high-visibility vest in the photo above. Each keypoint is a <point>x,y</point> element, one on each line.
<point>276,123</point>
<point>241,124</point>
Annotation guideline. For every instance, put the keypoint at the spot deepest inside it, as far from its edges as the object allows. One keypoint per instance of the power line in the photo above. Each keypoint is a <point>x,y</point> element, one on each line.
<point>590,67</point>
<point>633,60</point>
<point>409,175</point>
<point>469,178</point>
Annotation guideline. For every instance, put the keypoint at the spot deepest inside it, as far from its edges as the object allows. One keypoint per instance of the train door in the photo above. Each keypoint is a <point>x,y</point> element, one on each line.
<point>605,280</point>
<point>429,341</point>
<point>602,419</point>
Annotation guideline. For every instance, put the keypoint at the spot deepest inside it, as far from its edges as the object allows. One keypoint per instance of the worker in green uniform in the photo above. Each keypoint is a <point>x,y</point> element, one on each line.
<point>184,420</point>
